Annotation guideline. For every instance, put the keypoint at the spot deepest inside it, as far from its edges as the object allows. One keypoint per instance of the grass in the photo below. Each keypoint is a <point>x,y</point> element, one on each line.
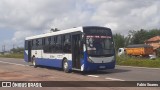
<point>137,61</point>
<point>13,55</point>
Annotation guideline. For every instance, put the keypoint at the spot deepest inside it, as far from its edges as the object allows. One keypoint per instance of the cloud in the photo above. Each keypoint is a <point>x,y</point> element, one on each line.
<point>30,14</point>
<point>127,15</point>
<point>18,35</point>
<point>29,17</point>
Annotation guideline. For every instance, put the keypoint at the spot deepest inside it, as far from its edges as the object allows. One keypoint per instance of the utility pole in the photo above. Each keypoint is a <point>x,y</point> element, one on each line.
<point>13,46</point>
<point>4,48</point>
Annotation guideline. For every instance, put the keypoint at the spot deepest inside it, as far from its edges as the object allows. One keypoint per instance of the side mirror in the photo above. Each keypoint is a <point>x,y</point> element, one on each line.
<point>83,41</point>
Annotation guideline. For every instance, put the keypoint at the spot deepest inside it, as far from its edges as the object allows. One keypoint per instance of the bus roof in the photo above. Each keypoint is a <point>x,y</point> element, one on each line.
<point>62,32</point>
<point>55,33</point>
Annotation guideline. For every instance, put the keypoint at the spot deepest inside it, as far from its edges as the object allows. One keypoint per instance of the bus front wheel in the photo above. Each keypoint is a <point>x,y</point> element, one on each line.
<point>65,66</point>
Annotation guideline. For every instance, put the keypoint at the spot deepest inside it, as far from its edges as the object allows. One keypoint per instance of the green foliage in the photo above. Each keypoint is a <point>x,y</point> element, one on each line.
<point>140,62</point>
<point>134,37</point>
<point>119,41</point>
<point>17,50</point>
<point>138,37</point>
<point>158,52</point>
<point>152,33</point>
<point>13,55</point>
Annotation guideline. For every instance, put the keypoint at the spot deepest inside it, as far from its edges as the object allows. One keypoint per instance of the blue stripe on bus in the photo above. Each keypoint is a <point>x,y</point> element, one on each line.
<point>48,62</point>
<point>52,62</point>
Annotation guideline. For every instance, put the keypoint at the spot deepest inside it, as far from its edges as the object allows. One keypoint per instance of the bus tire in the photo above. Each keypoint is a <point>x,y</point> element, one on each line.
<point>65,66</point>
<point>34,62</point>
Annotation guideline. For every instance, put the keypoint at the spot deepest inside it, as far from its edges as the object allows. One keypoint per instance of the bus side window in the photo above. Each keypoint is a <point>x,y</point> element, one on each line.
<point>67,44</point>
<point>46,47</point>
<point>40,43</point>
<point>49,45</point>
<point>43,41</point>
<point>59,44</point>
<point>43,44</point>
<point>52,44</point>
<point>37,43</point>
<point>34,44</point>
<point>26,45</point>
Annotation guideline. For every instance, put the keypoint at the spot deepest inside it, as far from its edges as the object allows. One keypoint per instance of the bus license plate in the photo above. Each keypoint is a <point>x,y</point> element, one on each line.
<point>102,67</point>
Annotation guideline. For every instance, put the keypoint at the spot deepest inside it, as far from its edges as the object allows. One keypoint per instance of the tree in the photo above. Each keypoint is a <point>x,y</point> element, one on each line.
<point>138,37</point>
<point>17,50</point>
<point>158,52</point>
<point>135,37</point>
<point>54,30</point>
<point>153,32</point>
<point>119,41</point>
<point>129,38</point>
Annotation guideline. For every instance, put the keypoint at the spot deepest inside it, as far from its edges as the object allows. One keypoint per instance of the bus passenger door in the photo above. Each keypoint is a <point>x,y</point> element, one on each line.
<point>76,51</point>
<point>29,51</point>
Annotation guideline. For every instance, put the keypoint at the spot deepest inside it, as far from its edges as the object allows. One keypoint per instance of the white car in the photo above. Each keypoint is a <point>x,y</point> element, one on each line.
<point>152,56</point>
<point>121,51</point>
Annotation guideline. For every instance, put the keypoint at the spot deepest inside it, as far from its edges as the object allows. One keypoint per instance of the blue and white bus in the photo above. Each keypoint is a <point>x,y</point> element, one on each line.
<point>88,48</point>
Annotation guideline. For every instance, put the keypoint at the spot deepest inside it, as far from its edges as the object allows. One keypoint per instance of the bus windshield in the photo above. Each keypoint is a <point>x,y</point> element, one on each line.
<point>99,45</point>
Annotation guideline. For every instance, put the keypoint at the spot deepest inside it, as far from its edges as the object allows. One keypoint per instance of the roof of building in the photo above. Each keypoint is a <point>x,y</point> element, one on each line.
<point>156,38</point>
<point>139,46</point>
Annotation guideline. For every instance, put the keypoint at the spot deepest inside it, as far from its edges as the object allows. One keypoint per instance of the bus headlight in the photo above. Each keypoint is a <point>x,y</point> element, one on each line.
<point>82,67</point>
<point>114,59</point>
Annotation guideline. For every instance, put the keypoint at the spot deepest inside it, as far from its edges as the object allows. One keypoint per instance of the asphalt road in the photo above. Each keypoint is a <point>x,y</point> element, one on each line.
<point>18,70</point>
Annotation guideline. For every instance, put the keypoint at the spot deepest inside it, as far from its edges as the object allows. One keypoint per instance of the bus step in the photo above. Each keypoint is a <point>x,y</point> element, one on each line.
<point>76,69</point>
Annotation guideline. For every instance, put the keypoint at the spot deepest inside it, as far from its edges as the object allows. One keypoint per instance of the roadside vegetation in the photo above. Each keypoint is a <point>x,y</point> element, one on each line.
<point>136,37</point>
<point>12,55</point>
<point>138,61</point>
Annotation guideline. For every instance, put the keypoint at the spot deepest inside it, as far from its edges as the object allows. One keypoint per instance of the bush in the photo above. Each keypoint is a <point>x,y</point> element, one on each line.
<point>158,52</point>
<point>13,55</point>
<point>138,61</point>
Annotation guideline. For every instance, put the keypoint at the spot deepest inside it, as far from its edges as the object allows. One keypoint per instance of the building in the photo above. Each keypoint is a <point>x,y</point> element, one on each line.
<point>154,41</point>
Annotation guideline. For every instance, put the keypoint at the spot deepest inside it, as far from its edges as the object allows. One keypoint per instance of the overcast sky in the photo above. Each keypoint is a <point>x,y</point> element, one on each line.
<point>21,18</point>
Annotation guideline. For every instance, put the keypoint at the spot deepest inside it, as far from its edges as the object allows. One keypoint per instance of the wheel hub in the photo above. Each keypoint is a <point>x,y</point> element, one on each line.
<point>65,65</point>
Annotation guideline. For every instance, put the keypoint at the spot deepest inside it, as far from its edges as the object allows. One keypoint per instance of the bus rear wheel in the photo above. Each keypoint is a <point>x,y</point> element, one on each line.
<point>65,66</point>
